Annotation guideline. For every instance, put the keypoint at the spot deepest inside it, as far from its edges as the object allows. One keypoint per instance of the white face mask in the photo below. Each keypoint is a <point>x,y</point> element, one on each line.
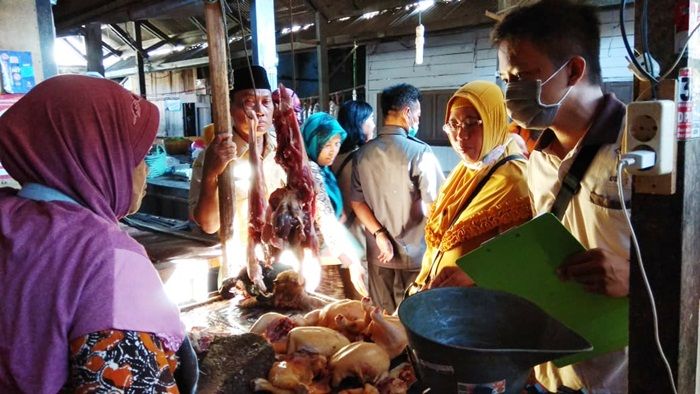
<point>524,101</point>
<point>490,157</point>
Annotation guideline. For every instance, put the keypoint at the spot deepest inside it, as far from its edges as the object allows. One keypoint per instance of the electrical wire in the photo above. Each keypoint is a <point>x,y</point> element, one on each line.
<point>680,55</point>
<point>224,6</point>
<point>620,167</point>
<point>625,40</point>
<point>250,70</point>
<point>645,46</point>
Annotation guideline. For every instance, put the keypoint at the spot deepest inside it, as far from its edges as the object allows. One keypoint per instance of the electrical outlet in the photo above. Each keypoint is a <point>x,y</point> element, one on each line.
<point>651,125</point>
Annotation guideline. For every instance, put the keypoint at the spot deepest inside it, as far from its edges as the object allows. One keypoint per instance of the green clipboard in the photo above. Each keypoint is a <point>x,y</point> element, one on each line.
<point>523,260</point>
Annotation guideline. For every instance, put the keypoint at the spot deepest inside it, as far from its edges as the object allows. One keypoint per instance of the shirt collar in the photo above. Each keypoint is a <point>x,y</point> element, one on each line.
<point>605,128</point>
<point>269,143</point>
<point>392,130</point>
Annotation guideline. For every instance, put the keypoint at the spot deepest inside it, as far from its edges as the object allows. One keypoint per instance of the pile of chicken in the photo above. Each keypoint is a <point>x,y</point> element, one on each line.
<point>344,339</point>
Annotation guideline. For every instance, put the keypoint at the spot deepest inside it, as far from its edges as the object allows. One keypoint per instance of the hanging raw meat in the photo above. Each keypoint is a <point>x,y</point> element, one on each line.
<point>289,223</point>
<point>257,205</point>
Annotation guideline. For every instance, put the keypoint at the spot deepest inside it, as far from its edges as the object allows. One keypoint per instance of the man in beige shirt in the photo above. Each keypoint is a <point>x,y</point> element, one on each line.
<point>233,148</point>
<point>553,77</point>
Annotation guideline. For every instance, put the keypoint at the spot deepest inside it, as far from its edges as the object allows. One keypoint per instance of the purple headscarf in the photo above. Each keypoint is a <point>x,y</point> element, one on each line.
<point>66,269</point>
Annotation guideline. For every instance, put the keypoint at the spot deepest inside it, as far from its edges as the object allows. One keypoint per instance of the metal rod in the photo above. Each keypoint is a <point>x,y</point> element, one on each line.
<point>322,58</point>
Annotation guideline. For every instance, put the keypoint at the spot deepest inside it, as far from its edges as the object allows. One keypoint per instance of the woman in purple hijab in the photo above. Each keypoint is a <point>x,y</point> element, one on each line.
<point>82,307</point>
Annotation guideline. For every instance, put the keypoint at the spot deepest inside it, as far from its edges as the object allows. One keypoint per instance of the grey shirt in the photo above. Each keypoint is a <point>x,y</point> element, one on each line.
<point>396,175</point>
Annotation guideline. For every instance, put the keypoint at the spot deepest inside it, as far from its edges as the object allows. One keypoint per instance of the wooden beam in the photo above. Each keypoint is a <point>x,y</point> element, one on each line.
<point>93,47</point>
<point>155,31</point>
<point>318,9</point>
<point>216,37</point>
<point>111,49</point>
<point>198,25</point>
<point>126,38</point>
<point>47,37</point>
<point>139,59</point>
<point>668,228</point>
<point>78,51</point>
<point>322,59</point>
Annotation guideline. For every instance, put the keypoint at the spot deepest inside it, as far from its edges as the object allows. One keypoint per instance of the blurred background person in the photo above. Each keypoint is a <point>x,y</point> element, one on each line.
<point>323,137</point>
<point>357,118</point>
<point>395,180</point>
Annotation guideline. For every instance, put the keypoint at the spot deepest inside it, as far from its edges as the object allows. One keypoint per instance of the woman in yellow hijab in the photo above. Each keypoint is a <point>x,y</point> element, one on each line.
<point>484,195</point>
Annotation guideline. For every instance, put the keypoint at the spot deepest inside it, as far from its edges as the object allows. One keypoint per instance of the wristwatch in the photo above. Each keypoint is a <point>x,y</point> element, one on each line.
<point>381,230</point>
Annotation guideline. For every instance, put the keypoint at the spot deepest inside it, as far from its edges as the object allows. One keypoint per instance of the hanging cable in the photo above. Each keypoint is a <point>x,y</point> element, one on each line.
<point>645,47</point>
<point>625,162</point>
<point>680,55</point>
<point>354,71</point>
<point>224,6</point>
<point>291,44</point>
<point>247,59</point>
<point>625,40</point>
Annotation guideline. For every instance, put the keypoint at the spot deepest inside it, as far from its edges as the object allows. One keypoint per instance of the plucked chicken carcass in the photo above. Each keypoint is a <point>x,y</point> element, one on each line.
<point>364,360</point>
<point>345,316</point>
<point>387,332</point>
<point>367,389</point>
<point>275,327</point>
<point>289,223</point>
<point>288,293</point>
<point>316,340</point>
<point>299,372</point>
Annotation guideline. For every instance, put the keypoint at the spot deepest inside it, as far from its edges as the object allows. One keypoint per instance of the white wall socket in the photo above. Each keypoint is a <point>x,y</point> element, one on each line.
<point>651,125</point>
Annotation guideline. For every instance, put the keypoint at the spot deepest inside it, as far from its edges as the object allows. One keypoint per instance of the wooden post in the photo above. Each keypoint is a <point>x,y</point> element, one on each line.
<point>216,37</point>
<point>262,19</point>
<point>139,59</point>
<point>668,228</point>
<point>322,58</point>
<point>93,47</point>
<point>47,37</point>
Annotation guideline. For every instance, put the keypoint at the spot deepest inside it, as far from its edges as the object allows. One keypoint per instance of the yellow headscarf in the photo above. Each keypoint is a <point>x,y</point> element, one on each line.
<point>488,100</point>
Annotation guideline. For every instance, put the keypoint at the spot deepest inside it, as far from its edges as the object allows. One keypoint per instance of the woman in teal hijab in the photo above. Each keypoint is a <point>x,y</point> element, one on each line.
<point>341,271</point>
<point>323,136</point>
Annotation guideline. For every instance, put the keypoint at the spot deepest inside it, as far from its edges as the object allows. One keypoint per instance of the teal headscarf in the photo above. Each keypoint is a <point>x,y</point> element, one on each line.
<point>317,130</point>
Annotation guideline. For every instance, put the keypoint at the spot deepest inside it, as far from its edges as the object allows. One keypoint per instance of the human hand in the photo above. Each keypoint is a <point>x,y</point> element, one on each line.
<point>255,274</point>
<point>358,277</point>
<point>451,277</point>
<point>599,271</point>
<point>386,249</point>
<point>220,152</point>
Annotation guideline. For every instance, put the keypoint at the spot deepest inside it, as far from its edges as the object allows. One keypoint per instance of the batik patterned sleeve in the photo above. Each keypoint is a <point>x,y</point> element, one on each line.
<point>121,361</point>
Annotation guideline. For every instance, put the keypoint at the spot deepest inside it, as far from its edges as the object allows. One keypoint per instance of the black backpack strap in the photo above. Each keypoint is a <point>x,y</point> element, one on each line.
<point>345,162</point>
<point>484,180</point>
<point>571,183</point>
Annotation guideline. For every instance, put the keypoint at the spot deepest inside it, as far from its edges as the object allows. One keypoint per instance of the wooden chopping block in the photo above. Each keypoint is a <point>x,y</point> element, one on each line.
<point>233,362</point>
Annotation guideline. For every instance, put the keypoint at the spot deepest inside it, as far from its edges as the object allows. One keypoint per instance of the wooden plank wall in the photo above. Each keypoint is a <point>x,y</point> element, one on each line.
<point>164,85</point>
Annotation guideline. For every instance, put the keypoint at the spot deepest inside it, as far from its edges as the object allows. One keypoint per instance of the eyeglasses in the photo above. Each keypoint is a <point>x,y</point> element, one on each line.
<point>453,126</point>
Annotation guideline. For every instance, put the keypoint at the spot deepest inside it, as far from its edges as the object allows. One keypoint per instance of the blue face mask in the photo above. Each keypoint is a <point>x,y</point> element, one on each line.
<point>413,128</point>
